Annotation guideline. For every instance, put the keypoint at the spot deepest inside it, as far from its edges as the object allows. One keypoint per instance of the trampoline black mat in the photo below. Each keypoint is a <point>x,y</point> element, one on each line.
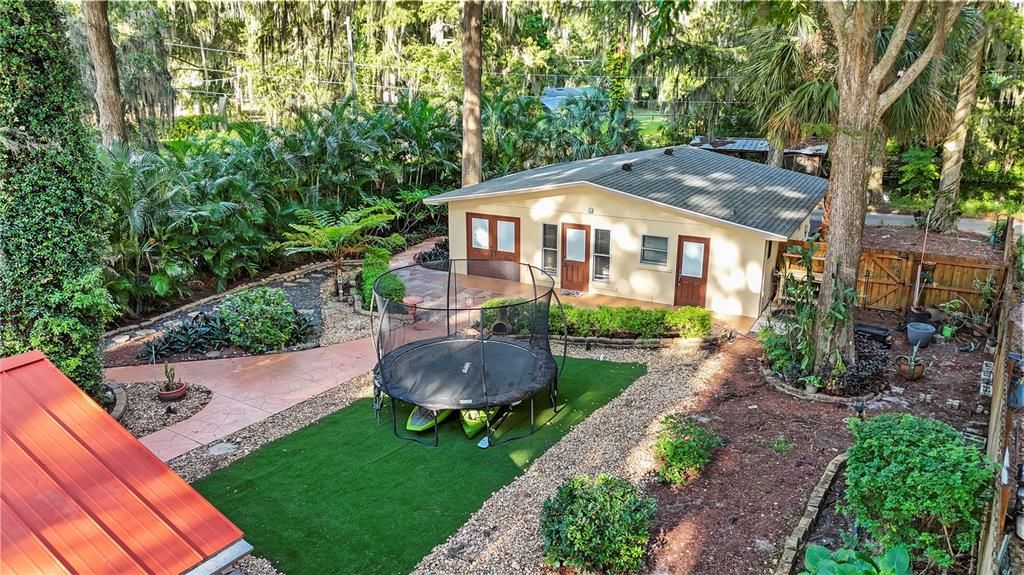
<point>466,373</point>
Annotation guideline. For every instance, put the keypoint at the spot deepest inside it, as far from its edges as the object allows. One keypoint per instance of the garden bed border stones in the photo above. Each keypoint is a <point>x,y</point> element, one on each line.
<point>803,529</point>
<point>784,387</point>
<point>282,276</point>
<point>120,399</point>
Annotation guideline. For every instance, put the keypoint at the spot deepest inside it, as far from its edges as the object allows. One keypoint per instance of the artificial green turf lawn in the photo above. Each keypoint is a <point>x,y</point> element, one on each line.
<point>346,496</point>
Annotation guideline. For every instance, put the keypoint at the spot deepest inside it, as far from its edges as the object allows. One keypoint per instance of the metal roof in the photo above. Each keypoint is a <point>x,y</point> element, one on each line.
<point>81,495</point>
<point>757,145</point>
<point>712,186</point>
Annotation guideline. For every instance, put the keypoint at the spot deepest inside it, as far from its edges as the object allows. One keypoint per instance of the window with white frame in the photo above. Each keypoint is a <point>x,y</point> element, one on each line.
<point>549,249</point>
<point>602,255</point>
<point>654,250</point>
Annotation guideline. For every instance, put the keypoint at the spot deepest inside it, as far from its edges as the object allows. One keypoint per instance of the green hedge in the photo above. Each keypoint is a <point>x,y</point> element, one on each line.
<point>375,264</point>
<point>54,218</point>
<point>914,482</point>
<point>259,319</point>
<point>598,524</point>
<point>631,322</point>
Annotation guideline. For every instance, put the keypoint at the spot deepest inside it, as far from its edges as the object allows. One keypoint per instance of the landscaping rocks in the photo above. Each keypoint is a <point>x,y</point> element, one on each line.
<point>256,565</point>
<point>147,414</point>
<point>340,322</point>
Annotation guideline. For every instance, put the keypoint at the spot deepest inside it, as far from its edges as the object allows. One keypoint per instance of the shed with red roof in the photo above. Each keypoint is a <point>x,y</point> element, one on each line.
<point>79,494</point>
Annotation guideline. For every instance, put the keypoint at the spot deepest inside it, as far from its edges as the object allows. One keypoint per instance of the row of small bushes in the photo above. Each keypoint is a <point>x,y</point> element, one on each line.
<point>602,321</point>
<point>257,320</point>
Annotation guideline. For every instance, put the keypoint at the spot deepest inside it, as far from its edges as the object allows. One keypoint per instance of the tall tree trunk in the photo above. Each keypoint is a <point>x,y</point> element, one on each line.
<point>776,153</point>
<point>876,192</point>
<point>472,72</point>
<point>944,212</point>
<point>866,91</point>
<point>104,62</point>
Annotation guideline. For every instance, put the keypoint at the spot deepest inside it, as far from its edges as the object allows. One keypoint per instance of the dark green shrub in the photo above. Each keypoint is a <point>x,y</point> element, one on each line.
<point>199,334</point>
<point>683,449</point>
<point>186,127</point>
<point>820,561</point>
<point>259,319</point>
<point>376,264</point>
<point>53,206</point>
<point>599,524</point>
<point>642,323</point>
<point>913,482</point>
<point>689,321</point>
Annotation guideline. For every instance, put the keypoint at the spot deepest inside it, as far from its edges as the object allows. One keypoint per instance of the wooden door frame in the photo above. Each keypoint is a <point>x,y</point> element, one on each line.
<point>587,256</point>
<point>679,268</point>
<point>492,233</point>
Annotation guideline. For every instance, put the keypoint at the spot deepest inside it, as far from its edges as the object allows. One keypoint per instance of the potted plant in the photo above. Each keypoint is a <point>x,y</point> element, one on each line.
<point>909,367</point>
<point>172,389</point>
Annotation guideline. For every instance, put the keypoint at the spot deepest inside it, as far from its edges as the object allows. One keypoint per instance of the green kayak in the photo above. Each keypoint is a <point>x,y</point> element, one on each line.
<point>422,419</point>
<point>474,420</point>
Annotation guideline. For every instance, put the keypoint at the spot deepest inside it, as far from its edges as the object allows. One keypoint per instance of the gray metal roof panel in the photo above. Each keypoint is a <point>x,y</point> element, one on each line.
<point>741,192</point>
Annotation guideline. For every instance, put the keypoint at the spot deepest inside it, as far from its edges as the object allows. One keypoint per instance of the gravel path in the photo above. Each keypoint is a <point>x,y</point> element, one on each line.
<point>340,322</point>
<point>146,413</point>
<point>503,535</point>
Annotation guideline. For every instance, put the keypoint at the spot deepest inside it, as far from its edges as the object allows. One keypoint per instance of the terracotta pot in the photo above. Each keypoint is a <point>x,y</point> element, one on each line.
<point>903,365</point>
<point>173,395</point>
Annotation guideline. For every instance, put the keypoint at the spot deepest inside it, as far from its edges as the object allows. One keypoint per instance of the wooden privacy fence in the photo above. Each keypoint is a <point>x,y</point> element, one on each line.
<point>885,278</point>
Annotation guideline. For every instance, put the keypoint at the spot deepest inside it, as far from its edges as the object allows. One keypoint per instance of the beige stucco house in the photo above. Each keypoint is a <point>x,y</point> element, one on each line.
<point>675,226</point>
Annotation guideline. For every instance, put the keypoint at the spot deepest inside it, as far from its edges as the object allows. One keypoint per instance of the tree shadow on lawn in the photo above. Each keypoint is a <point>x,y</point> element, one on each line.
<point>346,495</point>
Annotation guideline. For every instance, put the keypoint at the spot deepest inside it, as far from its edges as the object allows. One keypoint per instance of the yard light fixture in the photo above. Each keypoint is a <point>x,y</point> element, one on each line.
<point>858,406</point>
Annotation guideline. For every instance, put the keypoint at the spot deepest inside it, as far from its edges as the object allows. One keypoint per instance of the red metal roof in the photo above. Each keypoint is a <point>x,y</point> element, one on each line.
<point>79,494</point>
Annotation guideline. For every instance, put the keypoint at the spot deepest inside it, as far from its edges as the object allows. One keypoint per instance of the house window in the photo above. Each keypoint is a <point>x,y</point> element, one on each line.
<point>481,233</point>
<point>602,254</point>
<point>550,249</point>
<point>654,250</point>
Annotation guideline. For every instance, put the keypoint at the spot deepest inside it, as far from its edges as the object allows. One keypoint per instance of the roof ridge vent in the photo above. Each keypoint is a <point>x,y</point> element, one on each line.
<point>669,152</point>
<point>627,167</point>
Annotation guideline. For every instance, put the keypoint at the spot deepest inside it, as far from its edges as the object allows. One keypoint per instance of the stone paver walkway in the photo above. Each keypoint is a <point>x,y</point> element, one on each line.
<point>249,389</point>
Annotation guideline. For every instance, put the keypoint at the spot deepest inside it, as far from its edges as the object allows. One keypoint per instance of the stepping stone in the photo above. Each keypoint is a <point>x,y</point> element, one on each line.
<point>306,311</point>
<point>119,339</point>
<point>213,354</point>
<point>172,324</point>
<point>145,332</point>
<point>289,284</point>
<point>222,448</point>
<point>302,281</point>
<point>192,314</point>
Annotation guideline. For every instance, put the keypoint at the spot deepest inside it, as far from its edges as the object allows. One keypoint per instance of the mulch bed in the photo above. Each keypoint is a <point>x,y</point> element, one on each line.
<point>910,239</point>
<point>734,517</point>
<point>147,414</point>
<point>303,292</point>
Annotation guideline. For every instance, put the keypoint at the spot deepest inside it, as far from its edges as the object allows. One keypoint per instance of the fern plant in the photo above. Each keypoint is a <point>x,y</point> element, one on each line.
<point>340,237</point>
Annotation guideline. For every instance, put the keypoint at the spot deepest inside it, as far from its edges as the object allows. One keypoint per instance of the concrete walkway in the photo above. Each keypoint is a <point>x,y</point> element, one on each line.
<point>249,389</point>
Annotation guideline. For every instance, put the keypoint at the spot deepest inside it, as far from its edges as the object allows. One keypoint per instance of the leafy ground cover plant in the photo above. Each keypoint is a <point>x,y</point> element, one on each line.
<point>630,322</point>
<point>259,319</point>
<point>913,482</point>
<point>683,449</point>
<point>598,523</point>
<point>820,561</point>
<point>689,321</point>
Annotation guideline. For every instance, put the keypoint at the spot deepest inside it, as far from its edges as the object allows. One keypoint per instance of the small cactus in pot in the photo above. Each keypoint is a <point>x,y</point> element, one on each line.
<point>172,388</point>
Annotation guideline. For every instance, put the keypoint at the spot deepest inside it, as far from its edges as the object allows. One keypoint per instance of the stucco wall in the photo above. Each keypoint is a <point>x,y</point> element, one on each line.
<point>736,256</point>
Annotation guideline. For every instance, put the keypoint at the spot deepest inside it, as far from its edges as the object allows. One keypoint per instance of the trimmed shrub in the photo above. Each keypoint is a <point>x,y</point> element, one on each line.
<point>689,321</point>
<point>600,524</point>
<point>683,449</point>
<point>259,319</point>
<point>54,217</point>
<point>913,482</point>
<point>375,264</point>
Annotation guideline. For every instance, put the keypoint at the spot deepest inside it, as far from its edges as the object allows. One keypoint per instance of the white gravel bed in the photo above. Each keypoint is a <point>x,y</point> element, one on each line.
<point>503,536</point>
<point>146,413</point>
<point>256,565</point>
<point>340,323</point>
<point>199,462</point>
